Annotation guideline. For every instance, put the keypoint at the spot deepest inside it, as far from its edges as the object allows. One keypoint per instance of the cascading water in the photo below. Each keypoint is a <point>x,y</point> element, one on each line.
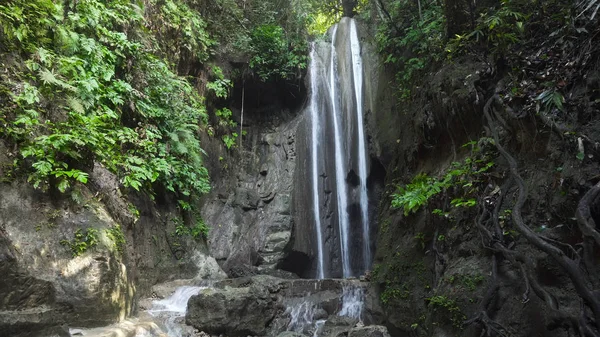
<point>362,158</point>
<point>315,173</point>
<point>172,309</point>
<point>340,169</point>
<point>338,146</point>
<point>302,315</point>
<point>353,299</point>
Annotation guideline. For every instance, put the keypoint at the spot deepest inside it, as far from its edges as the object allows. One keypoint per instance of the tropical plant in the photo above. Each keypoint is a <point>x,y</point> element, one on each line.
<point>461,176</point>
<point>274,56</point>
<point>88,92</point>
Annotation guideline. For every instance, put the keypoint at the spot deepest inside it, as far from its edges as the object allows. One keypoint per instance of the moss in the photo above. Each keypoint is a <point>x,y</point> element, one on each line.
<point>115,233</point>
<point>449,308</point>
<point>467,281</point>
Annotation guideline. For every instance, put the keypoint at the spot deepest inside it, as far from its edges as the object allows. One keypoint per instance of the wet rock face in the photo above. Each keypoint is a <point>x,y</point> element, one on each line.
<point>249,210</point>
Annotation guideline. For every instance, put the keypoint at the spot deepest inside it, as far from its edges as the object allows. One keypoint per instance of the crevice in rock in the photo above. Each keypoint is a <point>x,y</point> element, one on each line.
<point>377,175</point>
<point>297,263</point>
<point>352,178</point>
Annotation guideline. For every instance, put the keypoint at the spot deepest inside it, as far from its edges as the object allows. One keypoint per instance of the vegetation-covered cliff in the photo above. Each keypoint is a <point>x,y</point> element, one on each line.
<point>146,141</point>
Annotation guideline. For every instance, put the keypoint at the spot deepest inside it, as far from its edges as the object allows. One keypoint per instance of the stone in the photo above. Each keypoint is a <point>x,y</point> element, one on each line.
<point>208,268</point>
<point>232,311</point>
<point>44,285</point>
<point>337,326</point>
<point>369,331</point>
<point>246,199</point>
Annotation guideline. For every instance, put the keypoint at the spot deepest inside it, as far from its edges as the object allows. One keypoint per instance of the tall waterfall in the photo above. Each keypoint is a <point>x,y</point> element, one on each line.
<point>362,158</point>
<point>338,148</point>
<point>315,126</point>
<point>340,183</point>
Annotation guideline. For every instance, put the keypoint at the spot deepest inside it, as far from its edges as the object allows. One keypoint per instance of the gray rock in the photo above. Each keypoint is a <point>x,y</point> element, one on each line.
<point>337,326</point>
<point>246,199</point>
<point>232,311</point>
<point>369,331</point>
<point>208,268</point>
<point>43,285</point>
<point>249,210</point>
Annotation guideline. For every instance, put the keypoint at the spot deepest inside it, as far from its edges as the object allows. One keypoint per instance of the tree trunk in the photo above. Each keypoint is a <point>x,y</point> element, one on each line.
<point>348,6</point>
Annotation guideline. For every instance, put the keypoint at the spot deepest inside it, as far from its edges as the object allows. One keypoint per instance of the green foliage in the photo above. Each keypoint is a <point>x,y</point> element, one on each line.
<point>550,99</point>
<point>420,238</point>
<point>199,230</point>
<point>472,281</point>
<point>453,311</point>
<point>394,293</point>
<point>115,233</point>
<point>229,140</point>
<point>219,85</point>
<point>82,241</point>
<point>498,29</point>
<point>90,92</point>
<point>461,177</point>
<point>411,42</point>
<point>416,194</point>
<point>274,56</point>
<point>179,27</point>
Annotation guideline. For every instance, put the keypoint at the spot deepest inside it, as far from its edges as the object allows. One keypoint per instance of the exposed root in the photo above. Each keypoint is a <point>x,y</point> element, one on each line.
<point>587,325</point>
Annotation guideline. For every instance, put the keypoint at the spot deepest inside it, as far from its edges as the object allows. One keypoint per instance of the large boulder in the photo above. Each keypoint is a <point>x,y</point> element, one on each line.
<point>232,311</point>
<point>60,264</point>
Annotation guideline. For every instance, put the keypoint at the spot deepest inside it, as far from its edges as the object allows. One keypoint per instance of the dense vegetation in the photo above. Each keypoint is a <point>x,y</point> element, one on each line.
<point>86,82</point>
<point>117,83</point>
<point>535,60</point>
<point>132,85</point>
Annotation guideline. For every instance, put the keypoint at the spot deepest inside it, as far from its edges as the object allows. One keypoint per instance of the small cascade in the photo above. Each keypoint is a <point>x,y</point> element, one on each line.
<point>172,310</point>
<point>318,325</point>
<point>353,301</point>
<point>315,127</point>
<point>362,157</point>
<point>301,315</point>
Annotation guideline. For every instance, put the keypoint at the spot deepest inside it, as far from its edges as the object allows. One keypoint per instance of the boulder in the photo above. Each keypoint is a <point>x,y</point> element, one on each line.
<point>337,326</point>
<point>232,311</point>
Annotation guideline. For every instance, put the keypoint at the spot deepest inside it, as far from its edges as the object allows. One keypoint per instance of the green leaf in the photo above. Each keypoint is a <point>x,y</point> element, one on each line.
<point>63,185</point>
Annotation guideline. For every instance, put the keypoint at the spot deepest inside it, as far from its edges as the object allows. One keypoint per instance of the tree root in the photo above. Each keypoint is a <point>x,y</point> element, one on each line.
<point>589,326</point>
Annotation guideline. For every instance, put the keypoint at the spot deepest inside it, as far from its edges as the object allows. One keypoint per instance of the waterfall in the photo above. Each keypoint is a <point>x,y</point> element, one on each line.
<point>342,194</point>
<point>337,147</point>
<point>315,167</point>
<point>362,158</point>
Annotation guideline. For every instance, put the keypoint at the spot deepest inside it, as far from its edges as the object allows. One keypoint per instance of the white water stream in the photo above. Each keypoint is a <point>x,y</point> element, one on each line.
<point>338,138</point>
<point>340,169</point>
<point>315,167</point>
<point>172,309</point>
<point>353,301</point>
<point>362,158</point>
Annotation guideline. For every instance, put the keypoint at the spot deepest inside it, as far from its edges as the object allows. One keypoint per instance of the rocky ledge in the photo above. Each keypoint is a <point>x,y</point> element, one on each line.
<point>268,306</point>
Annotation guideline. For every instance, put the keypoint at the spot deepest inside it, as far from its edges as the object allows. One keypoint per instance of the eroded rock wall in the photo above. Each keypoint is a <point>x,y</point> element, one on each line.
<point>82,260</point>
